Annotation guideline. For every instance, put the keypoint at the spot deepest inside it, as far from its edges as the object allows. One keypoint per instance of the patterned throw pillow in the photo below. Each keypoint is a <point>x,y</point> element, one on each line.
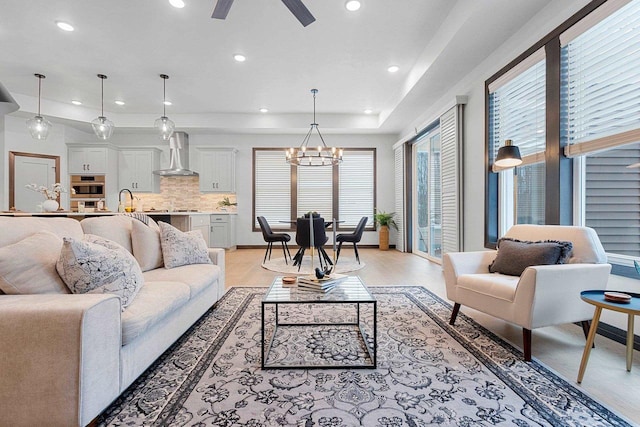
<point>97,265</point>
<point>180,248</point>
<point>514,256</point>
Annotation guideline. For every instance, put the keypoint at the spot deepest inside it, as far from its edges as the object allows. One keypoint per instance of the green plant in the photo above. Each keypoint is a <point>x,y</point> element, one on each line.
<point>226,202</point>
<point>383,218</point>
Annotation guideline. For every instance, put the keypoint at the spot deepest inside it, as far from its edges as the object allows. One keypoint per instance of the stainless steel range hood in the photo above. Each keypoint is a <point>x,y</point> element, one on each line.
<point>178,157</point>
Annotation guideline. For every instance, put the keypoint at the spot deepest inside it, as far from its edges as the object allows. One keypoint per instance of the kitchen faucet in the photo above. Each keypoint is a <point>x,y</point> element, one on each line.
<point>120,197</point>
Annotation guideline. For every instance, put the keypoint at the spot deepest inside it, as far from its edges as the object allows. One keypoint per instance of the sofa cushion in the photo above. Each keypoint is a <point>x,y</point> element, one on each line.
<point>180,248</point>
<point>514,256</point>
<point>154,302</point>
<point>97,265</point>
<point>116,228</point>
<point>145,241</point>
<point>494,285</point>
<point>196,276</point>
<point>29,266</point>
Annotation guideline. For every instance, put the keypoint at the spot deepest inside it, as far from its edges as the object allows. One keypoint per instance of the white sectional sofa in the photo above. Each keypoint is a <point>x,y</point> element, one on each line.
<point>65,357</point>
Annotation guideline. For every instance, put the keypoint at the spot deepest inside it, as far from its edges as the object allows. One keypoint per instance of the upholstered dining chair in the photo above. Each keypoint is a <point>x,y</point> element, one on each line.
<point>303,239</point>
<point>541,295</point>
<point>354,238</point>
<point>270,237</point>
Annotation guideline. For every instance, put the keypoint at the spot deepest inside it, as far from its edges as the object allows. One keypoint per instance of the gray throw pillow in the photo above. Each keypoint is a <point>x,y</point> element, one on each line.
<point>514,256</point>
<point>180,248</point>
<point>97,265</point>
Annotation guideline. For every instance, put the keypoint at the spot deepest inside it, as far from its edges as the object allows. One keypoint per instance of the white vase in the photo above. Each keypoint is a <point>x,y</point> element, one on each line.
<point>50,205</point>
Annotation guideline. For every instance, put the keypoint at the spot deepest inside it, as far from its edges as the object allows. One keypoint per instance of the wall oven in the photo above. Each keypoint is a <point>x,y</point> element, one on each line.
<point>88,189</point>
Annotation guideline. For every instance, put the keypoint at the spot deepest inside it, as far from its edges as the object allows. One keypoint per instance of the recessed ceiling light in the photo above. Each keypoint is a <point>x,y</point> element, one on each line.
<point>118,102</point>
<point>177,3</point>
<point>239,57</point>
<point>76,102</point>
<point>368,111</point>
<point>393,69</point>
<point>167,102</point>
<point>352,5</point>
<point>264,110</point>
<point>64,26</point>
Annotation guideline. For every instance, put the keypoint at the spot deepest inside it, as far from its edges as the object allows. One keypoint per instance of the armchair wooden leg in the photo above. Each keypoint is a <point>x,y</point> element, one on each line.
<point>585,329</point>
<point>526,344</point>
<point>454,313</point>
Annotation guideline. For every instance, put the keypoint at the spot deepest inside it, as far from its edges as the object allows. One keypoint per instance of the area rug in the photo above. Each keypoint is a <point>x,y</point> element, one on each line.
<point>429,373</point>
<point>345,265</point>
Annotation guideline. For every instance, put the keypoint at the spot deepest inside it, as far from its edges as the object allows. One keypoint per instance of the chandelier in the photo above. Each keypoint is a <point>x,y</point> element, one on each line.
<point>310,156</point>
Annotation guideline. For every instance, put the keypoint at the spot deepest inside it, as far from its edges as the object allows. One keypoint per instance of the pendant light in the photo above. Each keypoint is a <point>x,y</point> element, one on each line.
<point>508,155</point>
<point>39,126</point>
<point>102,127</point>
<point>163,124</point>
<point>320,156</point>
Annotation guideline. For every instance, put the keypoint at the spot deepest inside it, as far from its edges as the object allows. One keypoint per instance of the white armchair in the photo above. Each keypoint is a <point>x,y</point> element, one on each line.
<point>543,295</point>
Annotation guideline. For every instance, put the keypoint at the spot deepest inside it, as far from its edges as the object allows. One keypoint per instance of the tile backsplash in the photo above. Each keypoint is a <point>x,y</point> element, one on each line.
<point>183,192</point>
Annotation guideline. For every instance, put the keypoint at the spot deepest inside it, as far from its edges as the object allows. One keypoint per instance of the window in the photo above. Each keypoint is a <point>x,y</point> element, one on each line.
<point>600,113</point>
<point>283,193</point>
<point>517,109</point>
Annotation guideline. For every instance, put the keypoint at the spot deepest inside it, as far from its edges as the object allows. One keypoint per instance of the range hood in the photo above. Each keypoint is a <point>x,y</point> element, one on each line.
<point>178,157</point>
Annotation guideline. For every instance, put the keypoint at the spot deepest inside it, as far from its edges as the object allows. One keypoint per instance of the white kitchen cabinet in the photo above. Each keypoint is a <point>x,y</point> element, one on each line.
<point>87,160</point>
<point>217,169</point>
<point>135,170</point>
<point>223,231</point>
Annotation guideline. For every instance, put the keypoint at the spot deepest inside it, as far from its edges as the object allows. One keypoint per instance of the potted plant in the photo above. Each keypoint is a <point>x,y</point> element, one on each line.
<point>226,203</point>
<point>384,221</point>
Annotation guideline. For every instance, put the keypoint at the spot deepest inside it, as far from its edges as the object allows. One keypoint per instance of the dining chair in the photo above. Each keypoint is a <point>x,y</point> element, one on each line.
<point>303,239</point>
<point>354,238</point>
<point>270,237</point>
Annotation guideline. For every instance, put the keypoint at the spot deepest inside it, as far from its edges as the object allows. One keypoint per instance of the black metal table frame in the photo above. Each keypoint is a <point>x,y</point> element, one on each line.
<point>372,352</point>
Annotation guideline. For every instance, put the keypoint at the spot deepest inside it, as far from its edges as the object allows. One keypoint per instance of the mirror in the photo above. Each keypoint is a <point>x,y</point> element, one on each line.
<point>30,168</point>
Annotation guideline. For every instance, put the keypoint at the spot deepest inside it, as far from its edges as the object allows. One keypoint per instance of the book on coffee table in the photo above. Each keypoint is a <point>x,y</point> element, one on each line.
<point>324,284</point>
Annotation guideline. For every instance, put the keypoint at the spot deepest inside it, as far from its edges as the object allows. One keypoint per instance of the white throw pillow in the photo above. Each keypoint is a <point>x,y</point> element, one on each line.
<point>29,266</point>
<point>180,248</point>
<point>97,265</point>
<point>145,240</point>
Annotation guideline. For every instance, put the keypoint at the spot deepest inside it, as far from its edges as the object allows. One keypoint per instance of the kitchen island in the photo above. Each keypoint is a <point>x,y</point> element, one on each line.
<point>207,222</point>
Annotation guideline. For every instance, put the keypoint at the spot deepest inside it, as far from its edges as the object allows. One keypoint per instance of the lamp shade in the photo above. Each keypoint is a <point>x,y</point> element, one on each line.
<point>39,127</point>
<point>7,103</point>
<point>508,155</point>
<point>102,127</point>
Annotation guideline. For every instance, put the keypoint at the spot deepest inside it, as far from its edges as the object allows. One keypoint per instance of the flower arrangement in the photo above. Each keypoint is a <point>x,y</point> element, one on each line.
<point>226,202</point>
<point>50,193</point>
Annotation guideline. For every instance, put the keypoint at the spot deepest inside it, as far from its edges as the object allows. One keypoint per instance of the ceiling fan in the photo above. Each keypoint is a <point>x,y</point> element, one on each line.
<point>296,7</point>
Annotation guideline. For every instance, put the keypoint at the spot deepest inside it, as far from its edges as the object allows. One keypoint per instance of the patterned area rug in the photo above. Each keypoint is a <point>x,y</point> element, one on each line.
<point>429,373</point>
<point>345,264</point>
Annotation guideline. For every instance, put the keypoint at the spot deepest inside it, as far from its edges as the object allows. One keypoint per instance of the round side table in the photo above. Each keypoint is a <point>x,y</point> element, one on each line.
<point>631,309</point>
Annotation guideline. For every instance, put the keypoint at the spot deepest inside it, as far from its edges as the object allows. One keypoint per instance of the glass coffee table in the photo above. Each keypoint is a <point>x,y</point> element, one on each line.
<point>318,330</point>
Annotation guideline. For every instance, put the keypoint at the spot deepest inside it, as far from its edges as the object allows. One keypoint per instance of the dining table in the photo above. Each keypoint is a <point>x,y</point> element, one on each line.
<point>327,223</point>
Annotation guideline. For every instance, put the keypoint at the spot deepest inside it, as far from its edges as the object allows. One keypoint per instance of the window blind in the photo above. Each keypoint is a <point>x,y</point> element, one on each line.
<point>600,75</point>
<point>399,186</point>
<point>517,111</point>
<point>356,187</point>
<point>451,180</point>
<point>315,190</point>
<point>272,194</point>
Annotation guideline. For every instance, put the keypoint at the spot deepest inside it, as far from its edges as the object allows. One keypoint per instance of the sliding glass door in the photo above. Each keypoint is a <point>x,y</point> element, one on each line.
<point>427,196</point>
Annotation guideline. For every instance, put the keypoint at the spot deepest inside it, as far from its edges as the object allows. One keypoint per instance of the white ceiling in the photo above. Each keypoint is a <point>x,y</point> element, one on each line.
<point>343,54</point>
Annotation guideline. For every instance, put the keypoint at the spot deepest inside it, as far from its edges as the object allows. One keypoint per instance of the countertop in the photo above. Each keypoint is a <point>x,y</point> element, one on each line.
<point>75,214</point>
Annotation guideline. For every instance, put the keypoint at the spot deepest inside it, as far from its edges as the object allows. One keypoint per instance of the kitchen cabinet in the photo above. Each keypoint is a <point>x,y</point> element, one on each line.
<point>135,170</point>
<point>217,169</point>
<point>87,160</point>
<point>223,231</point>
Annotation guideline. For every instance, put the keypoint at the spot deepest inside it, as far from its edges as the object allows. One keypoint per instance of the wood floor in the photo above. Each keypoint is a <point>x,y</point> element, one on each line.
<point>559,348</point>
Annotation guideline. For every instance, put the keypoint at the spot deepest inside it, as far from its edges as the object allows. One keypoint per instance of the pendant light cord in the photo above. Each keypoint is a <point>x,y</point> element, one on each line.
<point>164,97</point>
<point>102,97</point>
<point>39,92</point>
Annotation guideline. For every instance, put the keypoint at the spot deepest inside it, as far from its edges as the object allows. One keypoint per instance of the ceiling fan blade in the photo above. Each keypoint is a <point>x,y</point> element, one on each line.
<point>300,11</point>
<point>222,9</point>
